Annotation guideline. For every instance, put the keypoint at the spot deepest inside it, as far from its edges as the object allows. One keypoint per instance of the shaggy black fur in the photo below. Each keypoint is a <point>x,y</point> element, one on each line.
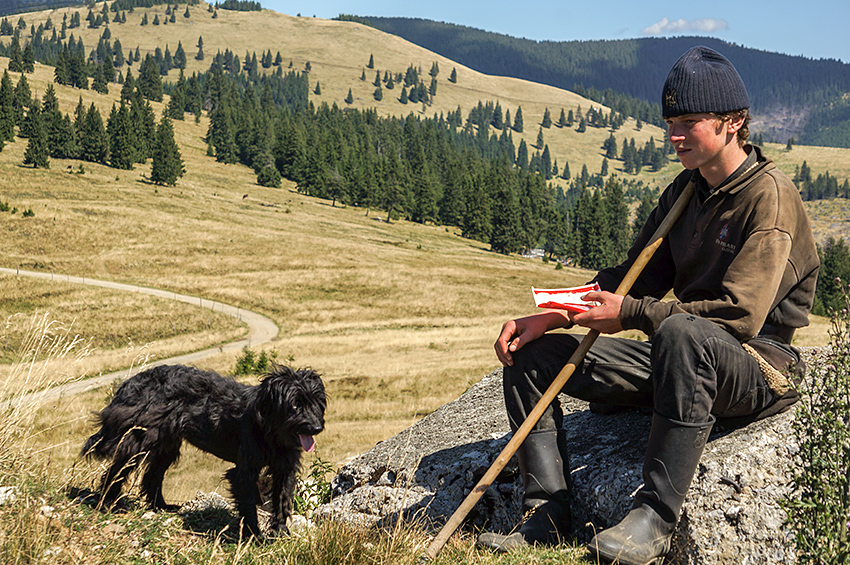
<point>256,427</point>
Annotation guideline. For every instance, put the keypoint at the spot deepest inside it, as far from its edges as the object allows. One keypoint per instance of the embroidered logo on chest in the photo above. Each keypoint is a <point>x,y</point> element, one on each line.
<point>725,246</point>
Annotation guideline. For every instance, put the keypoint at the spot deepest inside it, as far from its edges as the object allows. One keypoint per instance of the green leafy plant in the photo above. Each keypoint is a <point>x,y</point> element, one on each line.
<point>819,506</point>
<point>314,489</point>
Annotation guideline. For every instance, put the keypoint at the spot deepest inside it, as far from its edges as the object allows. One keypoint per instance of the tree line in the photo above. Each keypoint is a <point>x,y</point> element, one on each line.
<point>130,135</point>
<point>636,68</point>
<point>822,186</point>
<point>427,170</point>
<point>446,170</point>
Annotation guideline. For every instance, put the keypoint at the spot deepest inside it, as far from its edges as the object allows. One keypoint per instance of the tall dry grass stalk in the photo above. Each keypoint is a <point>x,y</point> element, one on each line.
<point>50,354</point>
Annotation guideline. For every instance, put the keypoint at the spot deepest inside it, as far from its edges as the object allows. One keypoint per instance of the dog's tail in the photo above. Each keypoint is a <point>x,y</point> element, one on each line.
<point>93,448</point>
<point>98,445</point>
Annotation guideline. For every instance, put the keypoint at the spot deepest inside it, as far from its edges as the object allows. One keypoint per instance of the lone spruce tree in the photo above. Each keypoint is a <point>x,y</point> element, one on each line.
<point>37,153</point>
<point>167,162</point>
<point>518,125</point>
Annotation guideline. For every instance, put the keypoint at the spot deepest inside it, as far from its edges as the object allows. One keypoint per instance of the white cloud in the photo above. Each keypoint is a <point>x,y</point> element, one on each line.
<point>701,25</point>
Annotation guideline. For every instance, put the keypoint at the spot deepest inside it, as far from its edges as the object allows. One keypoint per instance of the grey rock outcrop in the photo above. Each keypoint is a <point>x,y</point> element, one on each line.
<point>731,515</point>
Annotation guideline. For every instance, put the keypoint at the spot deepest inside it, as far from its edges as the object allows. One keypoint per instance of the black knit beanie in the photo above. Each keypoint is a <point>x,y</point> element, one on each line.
<point>703,80</point>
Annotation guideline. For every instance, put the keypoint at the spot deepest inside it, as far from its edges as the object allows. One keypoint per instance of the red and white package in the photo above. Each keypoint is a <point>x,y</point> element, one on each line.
<point>565,298</point>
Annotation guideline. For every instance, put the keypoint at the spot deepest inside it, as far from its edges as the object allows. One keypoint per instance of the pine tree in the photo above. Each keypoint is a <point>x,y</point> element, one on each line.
<point>7,110</point>
<point>37,152</point>
<point>28,62</point>
<point>547,119</point>
<point>118,53</point>
<point>94,144</point>
<point>149,82</point>
<point>180,55</point>
<point>177,102</point>
<point>371,64</point>
<point>379,94</point>
<point>122,146</point>
<point>506,235</point>
<point>128,88</point>
<point>63,140</point>
<point>221,132</point>
<point>546,163</point>
<point>562,121</point>
<point>21,100</point>
<point>16,56</point>
<point>99,81</point>
<point>453,76</point>
<point>610,147</point>
<point>539,144</point>
<point>350,98</point>
<point>167,164</point>
<point>647,204</point>
<point>582,125</point>
<point>518,126</point>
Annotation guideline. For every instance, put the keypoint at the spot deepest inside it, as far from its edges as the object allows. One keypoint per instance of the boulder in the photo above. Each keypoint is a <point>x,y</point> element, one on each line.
<point>732,513</point>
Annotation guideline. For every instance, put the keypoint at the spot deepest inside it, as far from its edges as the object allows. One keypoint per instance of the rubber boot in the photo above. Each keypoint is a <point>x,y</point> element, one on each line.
<point>643,537</point>
<point>544,466</point>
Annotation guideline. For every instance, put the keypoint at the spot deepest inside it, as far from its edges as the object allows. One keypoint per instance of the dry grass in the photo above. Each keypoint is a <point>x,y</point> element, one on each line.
<point>338,53</point>
<point>119,327</point>
<point>46,517</point>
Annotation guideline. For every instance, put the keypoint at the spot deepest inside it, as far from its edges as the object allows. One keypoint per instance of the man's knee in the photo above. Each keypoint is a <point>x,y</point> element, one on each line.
<point>683,330</point>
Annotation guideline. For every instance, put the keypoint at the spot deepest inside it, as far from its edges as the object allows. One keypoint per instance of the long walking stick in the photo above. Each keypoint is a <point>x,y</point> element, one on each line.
<point>578,355</point>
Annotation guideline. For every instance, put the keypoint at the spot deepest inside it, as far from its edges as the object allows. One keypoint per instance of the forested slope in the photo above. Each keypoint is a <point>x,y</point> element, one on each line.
<point>637,67</point>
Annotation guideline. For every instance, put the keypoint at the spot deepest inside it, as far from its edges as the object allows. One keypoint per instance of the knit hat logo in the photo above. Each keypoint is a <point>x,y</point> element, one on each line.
<point>669,98</point>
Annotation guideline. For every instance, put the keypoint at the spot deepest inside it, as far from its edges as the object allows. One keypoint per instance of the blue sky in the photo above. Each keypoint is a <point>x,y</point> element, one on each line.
<point>814,28</point>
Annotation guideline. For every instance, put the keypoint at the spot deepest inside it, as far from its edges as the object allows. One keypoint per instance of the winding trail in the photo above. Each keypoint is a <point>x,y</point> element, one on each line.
<point>260,330</point>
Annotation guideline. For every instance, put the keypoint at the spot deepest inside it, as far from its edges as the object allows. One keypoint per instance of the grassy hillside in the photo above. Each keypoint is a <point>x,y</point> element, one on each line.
<point>638,67</point>
<point>399,317</point>
<point>338,53</point>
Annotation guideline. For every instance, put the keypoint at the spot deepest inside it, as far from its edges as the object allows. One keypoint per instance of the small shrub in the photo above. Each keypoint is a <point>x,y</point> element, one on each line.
<point>819,506</point>
<point>315,489</point>
<point>249,363</point>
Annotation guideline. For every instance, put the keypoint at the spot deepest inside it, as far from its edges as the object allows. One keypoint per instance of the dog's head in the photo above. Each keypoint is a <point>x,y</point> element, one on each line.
<point>291,405</point>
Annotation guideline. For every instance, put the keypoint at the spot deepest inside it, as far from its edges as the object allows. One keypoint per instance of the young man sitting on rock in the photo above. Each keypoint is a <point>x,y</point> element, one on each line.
<point>742,264</point>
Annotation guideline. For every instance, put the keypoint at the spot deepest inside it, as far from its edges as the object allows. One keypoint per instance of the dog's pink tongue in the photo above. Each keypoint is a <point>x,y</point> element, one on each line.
<point>307,443</point>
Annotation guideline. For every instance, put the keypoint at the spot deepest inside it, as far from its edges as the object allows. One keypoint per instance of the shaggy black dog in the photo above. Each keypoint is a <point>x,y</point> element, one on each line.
<point>267,426</point>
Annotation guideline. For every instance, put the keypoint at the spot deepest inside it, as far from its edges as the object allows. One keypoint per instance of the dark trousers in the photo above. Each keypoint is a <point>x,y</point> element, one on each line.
<point>692,368</point>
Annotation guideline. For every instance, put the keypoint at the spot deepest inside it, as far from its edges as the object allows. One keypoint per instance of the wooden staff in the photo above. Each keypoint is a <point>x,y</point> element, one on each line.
<point>578,355</point>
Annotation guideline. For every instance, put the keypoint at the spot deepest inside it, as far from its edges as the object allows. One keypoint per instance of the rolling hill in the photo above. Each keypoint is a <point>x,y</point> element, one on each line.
<point>638,67</point>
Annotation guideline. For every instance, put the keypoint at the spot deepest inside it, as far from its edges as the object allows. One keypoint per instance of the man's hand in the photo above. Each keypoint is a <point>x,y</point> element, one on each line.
<point>604,318</point>
<point>516,333</point>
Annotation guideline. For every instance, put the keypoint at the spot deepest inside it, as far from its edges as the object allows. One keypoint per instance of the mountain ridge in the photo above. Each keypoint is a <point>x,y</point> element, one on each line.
<point>638,67</point>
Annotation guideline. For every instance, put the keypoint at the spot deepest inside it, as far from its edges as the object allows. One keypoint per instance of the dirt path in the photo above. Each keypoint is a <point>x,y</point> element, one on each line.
<point>260,330</point>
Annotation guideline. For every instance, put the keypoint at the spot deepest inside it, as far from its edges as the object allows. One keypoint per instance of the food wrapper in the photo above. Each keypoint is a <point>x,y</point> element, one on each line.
<point>565,298</point>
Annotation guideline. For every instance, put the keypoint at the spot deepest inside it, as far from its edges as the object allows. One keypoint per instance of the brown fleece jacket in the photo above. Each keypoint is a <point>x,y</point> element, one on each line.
<point>743,257</point>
